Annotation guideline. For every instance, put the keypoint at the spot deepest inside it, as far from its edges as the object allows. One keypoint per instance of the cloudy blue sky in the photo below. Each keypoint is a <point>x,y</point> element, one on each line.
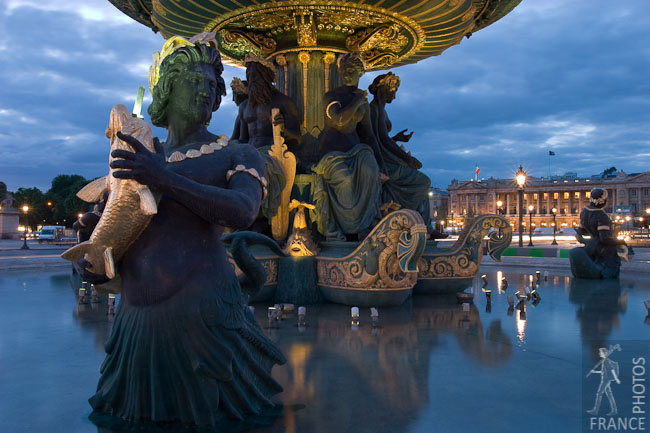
<point>567,76</point>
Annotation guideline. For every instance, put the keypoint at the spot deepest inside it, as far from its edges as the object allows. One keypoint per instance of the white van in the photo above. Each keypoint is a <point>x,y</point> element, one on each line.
<point>51,234</point>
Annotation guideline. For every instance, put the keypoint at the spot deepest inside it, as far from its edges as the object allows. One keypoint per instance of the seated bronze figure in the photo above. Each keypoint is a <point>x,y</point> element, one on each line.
<point>407,185</point>
<point>347,187</point>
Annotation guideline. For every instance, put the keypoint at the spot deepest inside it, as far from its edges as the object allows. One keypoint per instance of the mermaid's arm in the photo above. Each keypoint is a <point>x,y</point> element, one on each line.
<point>236,206</point>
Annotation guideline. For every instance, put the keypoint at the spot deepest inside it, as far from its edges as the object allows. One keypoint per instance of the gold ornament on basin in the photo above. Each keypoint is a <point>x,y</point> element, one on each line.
<point>300,243</point>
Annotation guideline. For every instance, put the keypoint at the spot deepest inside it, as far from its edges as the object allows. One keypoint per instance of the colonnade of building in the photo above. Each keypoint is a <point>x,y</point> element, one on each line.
<point>627,195</point>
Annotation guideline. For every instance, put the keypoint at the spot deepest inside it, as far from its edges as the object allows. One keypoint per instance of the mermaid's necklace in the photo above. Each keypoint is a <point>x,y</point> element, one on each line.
<point>205,149</point>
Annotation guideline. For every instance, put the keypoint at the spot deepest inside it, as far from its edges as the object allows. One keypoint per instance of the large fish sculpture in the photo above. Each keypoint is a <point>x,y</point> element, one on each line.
<point>129,207</point>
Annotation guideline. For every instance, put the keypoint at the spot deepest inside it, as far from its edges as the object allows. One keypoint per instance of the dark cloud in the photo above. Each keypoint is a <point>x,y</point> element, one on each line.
<point>552,75</point>
<point>562,76</point>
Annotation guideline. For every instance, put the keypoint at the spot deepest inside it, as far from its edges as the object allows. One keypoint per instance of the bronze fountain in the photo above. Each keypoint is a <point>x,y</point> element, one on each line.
<point>302,44</point>
<point>306,143</point>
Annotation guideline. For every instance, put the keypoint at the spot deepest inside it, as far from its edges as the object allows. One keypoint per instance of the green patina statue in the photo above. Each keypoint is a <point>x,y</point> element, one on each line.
<point>254,125</point>
<point>406,186</point>
<point>184,346</point>
<point>601,255</point>
<point>347,185</point>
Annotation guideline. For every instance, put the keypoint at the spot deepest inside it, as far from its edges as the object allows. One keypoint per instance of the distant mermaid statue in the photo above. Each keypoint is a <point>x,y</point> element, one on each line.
<point>602,253</point>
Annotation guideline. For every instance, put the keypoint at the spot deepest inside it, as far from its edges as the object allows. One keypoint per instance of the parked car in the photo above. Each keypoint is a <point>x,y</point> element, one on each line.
<point>51,234</point>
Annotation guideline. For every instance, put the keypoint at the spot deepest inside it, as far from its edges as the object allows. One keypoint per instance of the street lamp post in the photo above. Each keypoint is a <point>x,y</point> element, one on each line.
<point>520,177</point>
<point>530,223</point>
<point>452,225</point>
<point>500,212</point>
<point>25,246</point>
<point>554,210</point>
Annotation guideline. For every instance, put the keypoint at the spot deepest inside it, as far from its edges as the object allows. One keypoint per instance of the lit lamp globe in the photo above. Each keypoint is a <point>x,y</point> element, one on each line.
<point>520,177</point>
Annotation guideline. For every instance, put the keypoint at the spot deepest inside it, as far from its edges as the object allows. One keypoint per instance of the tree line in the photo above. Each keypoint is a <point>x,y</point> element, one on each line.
<point>58,206</point>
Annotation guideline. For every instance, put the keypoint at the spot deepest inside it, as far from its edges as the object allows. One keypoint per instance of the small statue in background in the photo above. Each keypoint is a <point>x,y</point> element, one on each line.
<point>602,253</point>
<point>85,225</point>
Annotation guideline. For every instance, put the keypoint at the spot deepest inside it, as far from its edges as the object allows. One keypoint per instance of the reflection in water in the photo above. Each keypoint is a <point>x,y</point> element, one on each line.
<point>107,423</point>
<point>385,368</point>
<point>90,315</point>
<point>521,327</point>
<point>338,380</point>
<point>599,304</point>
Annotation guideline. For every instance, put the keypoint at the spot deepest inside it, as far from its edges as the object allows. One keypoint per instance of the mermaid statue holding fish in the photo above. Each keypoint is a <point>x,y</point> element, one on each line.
<point>184,345</point>
<point>602,252</point>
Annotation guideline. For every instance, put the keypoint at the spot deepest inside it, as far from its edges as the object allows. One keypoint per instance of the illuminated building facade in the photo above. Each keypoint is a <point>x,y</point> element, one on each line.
<point>629,195</point>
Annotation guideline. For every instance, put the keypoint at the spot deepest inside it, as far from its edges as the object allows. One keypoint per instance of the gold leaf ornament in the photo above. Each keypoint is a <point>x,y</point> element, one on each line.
<point>172,44</point>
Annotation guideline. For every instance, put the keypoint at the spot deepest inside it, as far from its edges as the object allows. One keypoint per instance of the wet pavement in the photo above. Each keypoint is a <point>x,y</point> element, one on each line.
<point>428,365</point>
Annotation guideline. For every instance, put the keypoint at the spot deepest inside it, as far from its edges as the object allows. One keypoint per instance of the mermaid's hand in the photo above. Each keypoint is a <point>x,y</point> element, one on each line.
<point>147,168</point>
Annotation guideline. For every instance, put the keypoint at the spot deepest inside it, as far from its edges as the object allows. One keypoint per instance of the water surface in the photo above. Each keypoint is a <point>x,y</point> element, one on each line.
<point>428,367</point>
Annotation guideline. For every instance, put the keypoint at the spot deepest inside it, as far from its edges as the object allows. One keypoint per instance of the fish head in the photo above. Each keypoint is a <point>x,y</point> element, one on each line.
<point>119,116</point>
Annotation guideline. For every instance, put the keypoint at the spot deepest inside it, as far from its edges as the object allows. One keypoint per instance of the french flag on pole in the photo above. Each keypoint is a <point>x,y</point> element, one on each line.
<point>477,170</point>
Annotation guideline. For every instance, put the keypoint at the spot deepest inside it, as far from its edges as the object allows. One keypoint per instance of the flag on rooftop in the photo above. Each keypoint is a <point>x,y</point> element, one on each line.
<point>551,153</point>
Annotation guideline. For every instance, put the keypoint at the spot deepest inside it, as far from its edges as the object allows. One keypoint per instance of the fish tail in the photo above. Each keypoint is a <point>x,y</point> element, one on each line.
<point>109,263</point>
<point>148,204</point>
<point>88,251</point>
<point>94,191</point>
